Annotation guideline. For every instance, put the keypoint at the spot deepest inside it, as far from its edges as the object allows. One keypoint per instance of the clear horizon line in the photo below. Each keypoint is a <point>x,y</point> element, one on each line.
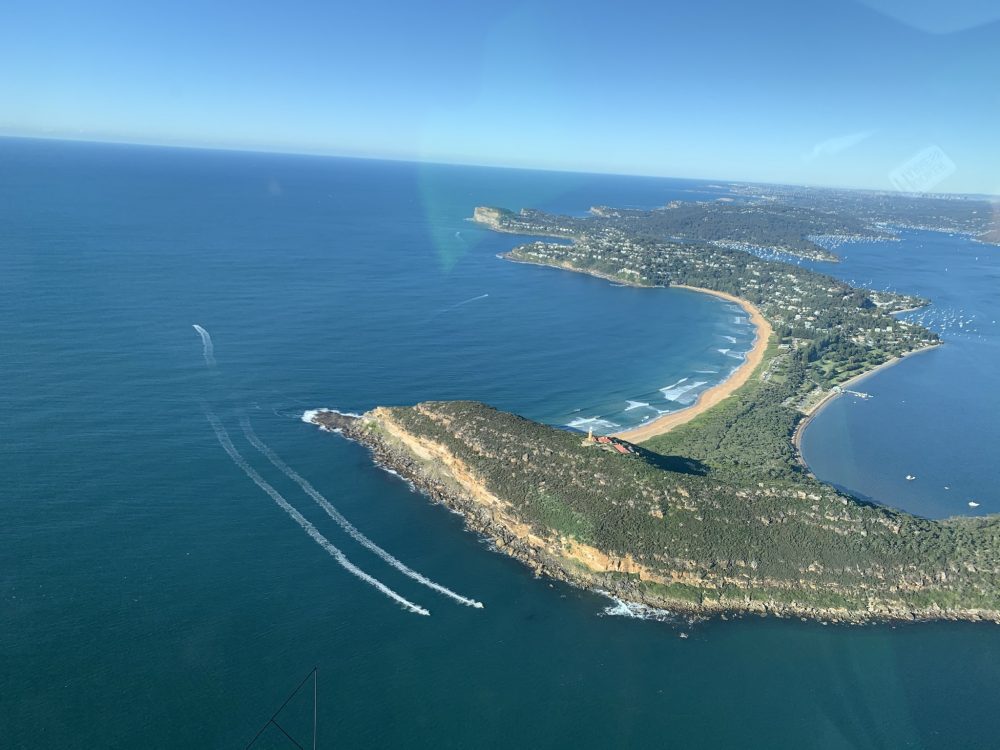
<point>438,162</point>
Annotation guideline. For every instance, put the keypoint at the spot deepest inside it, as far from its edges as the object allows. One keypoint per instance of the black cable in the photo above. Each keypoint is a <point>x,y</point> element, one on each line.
<point>291,739</point>
<point>275,714</point>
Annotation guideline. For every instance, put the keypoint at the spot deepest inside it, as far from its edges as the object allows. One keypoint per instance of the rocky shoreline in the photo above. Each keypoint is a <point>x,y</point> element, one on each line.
<point>477,517</point>
<point>546,557</point>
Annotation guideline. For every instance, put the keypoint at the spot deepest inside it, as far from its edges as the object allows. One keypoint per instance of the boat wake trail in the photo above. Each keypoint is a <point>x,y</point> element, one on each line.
<point>346,525</point>
<point>223,437</point>
<point>442,311</point>
<point>467,301</point>
<point>208,348</point>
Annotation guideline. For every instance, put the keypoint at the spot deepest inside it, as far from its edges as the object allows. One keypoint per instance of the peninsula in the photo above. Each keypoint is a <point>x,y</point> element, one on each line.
<point>645,529</point>
<point>709,510</point>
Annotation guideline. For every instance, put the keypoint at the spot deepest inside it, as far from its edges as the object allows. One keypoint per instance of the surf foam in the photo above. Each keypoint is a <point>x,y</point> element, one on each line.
<point>309,416</point>
<point>637,611</point>
<point>679,394</point>
<point>674,385</point>
<point>582,423</point>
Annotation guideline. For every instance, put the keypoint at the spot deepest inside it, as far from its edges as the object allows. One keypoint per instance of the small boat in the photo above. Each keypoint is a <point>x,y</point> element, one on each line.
<point>973,504</point>
<point>910,477</point>
<point>684,635</point>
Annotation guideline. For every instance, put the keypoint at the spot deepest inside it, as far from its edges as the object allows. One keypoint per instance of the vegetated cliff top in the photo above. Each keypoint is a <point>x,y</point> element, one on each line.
<point>795,545</point>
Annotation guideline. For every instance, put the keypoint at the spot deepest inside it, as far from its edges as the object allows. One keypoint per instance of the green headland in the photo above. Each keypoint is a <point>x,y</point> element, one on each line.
<point>715,513</point>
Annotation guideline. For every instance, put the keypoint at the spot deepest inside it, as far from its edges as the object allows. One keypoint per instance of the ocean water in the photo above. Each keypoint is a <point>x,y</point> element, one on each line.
<point>153,594</point>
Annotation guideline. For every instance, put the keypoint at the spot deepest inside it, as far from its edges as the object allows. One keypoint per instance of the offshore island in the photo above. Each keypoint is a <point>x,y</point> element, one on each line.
<point>710,509</point>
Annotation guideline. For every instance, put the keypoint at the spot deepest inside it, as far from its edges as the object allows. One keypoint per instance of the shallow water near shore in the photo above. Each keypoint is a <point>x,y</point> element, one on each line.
<point>152,595</point>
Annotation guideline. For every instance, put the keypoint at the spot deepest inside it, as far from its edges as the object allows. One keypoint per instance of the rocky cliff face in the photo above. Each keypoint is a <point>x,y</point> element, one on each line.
<point>434,466</point>
<point>491,217</point>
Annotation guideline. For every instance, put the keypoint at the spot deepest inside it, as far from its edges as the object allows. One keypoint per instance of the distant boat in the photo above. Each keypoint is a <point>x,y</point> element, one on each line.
<point>910,477</point>
<point>973,504</point>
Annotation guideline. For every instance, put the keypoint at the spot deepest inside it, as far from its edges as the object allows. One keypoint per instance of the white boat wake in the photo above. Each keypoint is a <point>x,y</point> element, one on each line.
<point>467,301</point>
<point>208,348</point>
<point>443,310</point>
<point>223,437</point>
<point>346,525</point>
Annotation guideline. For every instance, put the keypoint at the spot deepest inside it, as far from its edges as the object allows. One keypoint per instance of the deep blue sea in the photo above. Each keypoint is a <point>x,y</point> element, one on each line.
<point>153,595</point>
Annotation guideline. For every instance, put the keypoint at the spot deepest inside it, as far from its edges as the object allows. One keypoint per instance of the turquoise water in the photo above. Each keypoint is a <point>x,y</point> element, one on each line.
<point>152,595</point>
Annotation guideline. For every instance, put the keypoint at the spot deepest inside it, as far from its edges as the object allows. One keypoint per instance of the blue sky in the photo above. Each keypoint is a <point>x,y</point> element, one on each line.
<point>815,92</point>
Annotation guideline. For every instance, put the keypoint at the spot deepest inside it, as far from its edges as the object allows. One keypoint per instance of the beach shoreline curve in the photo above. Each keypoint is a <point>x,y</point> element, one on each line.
<point>719,392</point>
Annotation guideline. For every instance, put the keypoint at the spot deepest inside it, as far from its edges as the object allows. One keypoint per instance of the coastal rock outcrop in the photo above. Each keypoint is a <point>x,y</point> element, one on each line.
<point>712,548</point>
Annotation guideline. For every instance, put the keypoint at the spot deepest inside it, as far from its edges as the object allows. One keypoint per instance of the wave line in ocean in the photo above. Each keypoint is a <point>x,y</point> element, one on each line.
<point>346,525</point>
<point>227,445</point>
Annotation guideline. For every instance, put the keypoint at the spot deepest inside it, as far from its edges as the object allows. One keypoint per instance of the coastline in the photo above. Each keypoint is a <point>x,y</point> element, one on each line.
<point>738,378</point>
<point>717,393</point>
<point>815,411</point>
<point>433,469</point>
<point>714,395</point>
<point>495,470</point>
<point>588,271</point>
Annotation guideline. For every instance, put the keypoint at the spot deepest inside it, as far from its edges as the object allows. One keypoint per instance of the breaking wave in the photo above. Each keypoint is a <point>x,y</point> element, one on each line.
<point>683,393</point>
<point>309,414</point>
<point>637,611</point>
<point>583,423</point>
<point>674,385</point>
